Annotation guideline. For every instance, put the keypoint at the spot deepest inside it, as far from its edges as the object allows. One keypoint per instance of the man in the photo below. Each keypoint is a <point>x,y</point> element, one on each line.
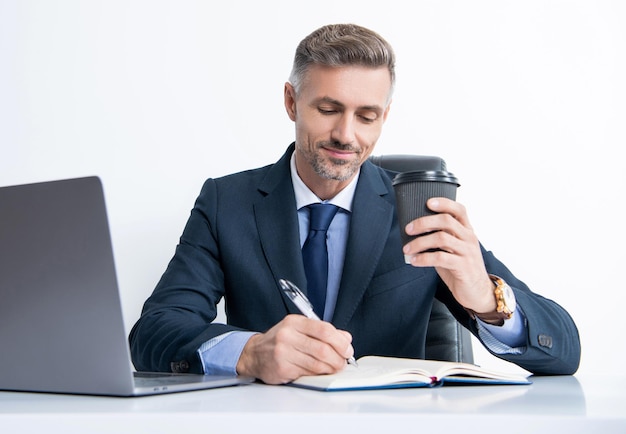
<point>246,232</point>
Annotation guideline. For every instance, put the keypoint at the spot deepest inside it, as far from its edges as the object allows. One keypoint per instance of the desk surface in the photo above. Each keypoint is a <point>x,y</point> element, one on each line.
<point>551,404</point>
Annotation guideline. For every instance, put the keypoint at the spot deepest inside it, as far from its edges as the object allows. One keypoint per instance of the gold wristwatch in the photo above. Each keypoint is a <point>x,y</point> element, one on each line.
<point>505,303</point>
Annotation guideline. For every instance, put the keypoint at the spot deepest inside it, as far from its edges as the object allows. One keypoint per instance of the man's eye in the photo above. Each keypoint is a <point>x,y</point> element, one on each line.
<point>326,111</point>
<point>368,119</point>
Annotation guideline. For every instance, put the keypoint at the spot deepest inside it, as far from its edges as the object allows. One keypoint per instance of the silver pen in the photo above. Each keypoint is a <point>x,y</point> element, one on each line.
<point>303,304</point>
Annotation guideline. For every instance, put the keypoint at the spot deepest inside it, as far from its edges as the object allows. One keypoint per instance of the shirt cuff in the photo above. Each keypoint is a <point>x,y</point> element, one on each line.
<point>220,355</point>
<point>509,338</point>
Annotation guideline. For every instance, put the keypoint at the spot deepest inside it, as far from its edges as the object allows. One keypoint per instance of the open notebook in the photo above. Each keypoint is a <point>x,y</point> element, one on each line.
<point>379,372</point>
<point>61,322</point>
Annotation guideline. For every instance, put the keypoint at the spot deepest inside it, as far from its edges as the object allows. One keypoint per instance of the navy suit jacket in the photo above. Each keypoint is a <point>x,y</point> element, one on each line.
<point>242,236</point>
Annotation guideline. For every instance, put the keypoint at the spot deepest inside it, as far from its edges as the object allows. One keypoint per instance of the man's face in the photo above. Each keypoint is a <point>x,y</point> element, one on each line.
<point>339,114</point>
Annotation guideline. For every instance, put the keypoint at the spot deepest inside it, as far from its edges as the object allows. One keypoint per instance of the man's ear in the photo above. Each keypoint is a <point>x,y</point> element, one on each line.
<point>290,101</point>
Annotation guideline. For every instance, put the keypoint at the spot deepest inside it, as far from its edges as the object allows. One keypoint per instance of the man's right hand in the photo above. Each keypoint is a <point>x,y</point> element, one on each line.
<point>294,347</point>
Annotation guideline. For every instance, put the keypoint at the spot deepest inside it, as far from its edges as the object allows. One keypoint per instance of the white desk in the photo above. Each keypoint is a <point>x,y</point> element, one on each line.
<point>551,404</point>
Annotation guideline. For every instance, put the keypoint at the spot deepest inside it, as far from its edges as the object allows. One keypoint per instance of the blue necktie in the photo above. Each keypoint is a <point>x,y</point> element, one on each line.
<point>315,254</point>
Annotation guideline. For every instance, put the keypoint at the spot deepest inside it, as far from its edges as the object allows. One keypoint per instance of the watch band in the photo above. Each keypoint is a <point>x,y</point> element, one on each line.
<point>504,308</point>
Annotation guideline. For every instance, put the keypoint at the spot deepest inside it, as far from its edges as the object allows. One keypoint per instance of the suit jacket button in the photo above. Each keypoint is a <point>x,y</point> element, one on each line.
<point>180,367</point>
<point>545,341</point>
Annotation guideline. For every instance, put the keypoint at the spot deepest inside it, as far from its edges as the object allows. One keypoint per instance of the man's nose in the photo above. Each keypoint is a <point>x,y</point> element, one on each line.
<point>344,129</point>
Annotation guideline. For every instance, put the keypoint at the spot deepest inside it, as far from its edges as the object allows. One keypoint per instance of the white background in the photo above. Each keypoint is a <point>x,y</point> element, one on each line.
<point>525,100</point>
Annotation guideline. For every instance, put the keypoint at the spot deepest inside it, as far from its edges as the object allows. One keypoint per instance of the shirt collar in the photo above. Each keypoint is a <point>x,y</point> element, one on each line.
<point>304,196</point>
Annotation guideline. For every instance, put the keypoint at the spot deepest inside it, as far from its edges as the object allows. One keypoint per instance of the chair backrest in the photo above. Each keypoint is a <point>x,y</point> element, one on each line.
<point>446,339</point>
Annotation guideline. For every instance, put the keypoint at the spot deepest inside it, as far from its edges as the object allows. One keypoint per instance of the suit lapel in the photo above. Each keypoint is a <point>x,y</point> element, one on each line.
<point>370,224</point>
<point>277,223</point>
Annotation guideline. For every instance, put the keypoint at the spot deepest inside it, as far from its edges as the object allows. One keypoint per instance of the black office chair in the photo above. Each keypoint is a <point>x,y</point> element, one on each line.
<point>446,339</point>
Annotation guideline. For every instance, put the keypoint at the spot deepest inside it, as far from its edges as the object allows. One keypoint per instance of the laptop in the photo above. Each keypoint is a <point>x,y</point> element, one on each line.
<point>61,322</point>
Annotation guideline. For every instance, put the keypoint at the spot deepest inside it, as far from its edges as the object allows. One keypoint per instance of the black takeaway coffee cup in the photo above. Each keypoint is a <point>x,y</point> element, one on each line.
<point>414,188</point>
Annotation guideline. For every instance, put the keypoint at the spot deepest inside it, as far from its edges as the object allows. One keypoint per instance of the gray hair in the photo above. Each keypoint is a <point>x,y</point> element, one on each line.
<point>337,45</point>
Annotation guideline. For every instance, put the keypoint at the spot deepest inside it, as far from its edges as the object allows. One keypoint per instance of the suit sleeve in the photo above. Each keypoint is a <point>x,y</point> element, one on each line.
<point>176,318</point>
<point>553,342</point>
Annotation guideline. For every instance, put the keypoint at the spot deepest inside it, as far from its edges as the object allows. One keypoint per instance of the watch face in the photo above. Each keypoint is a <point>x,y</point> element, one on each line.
<point>509,297</point>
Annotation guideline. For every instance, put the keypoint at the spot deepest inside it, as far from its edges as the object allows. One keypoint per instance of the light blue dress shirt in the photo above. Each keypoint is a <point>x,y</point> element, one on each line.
<point>221,354</point>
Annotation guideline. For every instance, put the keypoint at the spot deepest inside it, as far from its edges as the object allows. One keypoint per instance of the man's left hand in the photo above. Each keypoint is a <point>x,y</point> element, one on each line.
<point>454,250</point>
